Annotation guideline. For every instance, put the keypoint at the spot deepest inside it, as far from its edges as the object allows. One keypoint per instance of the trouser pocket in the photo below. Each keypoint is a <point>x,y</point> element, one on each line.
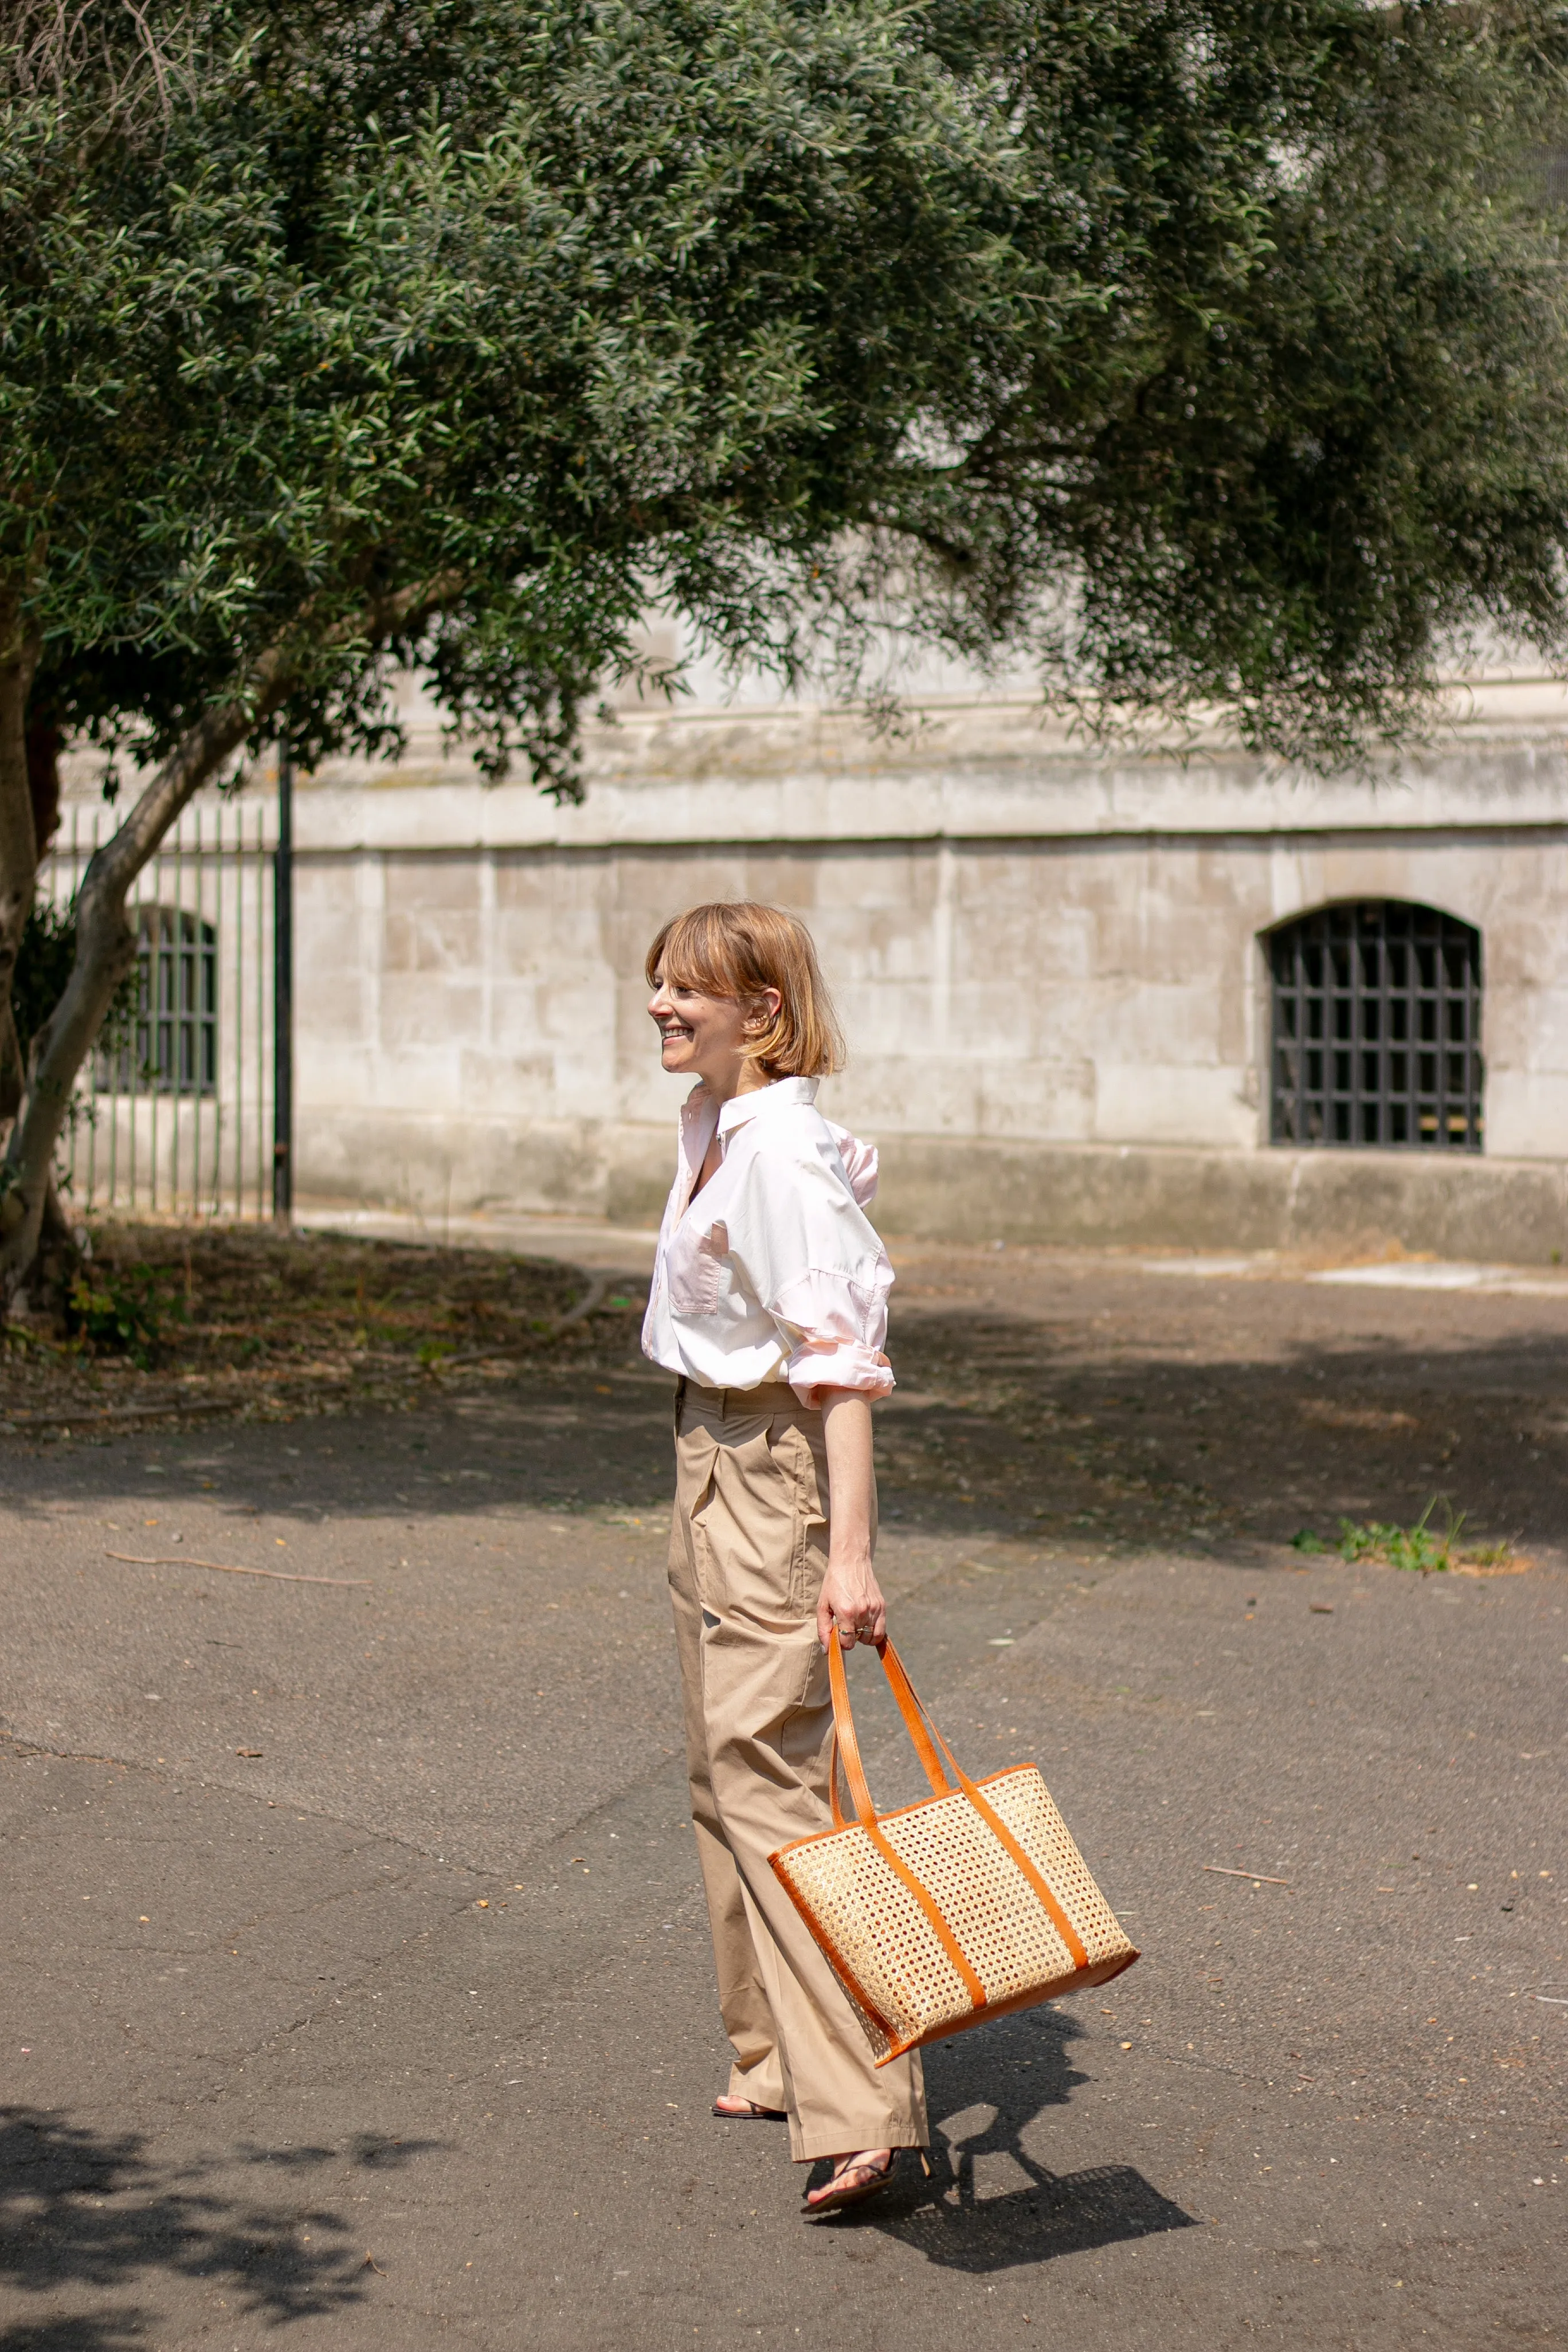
<point>758,1524</point>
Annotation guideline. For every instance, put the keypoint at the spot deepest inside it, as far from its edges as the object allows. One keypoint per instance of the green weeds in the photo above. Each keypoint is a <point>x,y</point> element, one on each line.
<point>124,1312</point>
<point>1421,1548</point>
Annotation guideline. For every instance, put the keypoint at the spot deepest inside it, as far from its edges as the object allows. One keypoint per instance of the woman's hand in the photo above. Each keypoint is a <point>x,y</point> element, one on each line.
<point>851,1600</point>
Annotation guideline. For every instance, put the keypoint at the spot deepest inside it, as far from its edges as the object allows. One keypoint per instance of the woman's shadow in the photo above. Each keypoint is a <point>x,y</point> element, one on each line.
<point>1010,2072</point>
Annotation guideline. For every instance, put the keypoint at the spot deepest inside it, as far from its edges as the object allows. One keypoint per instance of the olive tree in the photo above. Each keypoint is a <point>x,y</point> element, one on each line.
<point>1210,350</point>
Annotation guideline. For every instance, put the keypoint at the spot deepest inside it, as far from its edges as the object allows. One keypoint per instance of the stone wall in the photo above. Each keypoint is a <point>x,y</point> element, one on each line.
<point>1047,960</point>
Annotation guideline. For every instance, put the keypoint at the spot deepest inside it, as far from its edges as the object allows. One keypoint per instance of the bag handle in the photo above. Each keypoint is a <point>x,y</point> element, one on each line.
<point>917,1717</point>
<point>845,1743</point>
<point>847,1747</point>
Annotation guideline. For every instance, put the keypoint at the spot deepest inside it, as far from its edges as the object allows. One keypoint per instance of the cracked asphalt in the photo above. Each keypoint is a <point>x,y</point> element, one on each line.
<point>358,1992</point>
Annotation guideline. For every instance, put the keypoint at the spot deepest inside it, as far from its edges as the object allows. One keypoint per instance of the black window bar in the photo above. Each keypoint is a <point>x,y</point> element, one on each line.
<point>170,1045</point>
<point>1377,1029</point>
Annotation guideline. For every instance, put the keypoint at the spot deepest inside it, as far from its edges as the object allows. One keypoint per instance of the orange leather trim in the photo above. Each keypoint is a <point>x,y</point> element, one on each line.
<point>825,1943</point>
<point>915,1720</point>
<point>849,1747</point>
<point>950,1942</point>
<point>932,1910</point>
<point>1004,1838</point>
<point>1082,1980</point>
<point>897,1812</point>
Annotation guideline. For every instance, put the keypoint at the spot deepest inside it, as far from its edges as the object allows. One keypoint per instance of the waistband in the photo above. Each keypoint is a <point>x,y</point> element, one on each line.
<point>772,1398</point>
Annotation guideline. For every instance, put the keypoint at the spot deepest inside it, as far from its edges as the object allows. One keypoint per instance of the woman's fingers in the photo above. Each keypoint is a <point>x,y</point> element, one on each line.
<point>852,1608</point>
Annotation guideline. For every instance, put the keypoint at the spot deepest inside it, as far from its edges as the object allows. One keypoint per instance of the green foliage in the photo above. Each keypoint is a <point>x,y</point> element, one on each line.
<point>1211,351</point>
<point>1416,1548</point>
<point>121,1312</point>
<point>1413,1547</point>
<point>44,961</point>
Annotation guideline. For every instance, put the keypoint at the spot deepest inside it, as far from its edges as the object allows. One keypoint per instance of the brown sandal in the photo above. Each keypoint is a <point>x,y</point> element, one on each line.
<point>851,2186</point>
<point>748,2111</point>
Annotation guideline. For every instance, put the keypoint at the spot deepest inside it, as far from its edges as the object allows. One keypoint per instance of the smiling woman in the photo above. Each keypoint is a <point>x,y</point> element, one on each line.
<point>769,1302</point>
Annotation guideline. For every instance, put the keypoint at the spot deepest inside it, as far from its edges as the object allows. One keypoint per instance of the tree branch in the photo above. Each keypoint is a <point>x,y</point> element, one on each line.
<point>105,943</point>
<point>19,650</point>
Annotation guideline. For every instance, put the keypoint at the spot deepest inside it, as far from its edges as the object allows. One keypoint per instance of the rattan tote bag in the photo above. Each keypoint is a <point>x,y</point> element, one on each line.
<point>972,1904</point>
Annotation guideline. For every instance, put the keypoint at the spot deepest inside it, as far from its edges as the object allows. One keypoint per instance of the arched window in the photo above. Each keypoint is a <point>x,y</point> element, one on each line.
<point>1376,1029</point>
<point>170,1044</point>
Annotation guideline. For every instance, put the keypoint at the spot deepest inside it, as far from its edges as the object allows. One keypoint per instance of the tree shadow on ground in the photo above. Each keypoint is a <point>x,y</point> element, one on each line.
<point>1010,1426</point>
<point>986,2090</point>
<point>125,2331</point>
<point>1045,1430</point>
<point>83,2208</point>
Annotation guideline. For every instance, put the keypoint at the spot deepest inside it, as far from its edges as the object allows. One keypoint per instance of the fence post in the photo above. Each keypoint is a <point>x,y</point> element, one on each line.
<point>283,996</point>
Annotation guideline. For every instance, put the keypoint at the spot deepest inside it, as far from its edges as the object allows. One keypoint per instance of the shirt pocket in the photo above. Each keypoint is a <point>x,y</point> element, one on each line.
<point>694,1269</point>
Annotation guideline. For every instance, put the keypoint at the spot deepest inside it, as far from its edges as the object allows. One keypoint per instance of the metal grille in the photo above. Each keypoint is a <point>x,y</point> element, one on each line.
<point>1377,1028</point>
<point>179,1115</point>
<point>173,1047</point>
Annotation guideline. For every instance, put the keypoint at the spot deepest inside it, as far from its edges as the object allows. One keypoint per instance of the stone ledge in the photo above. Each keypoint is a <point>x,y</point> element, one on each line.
<point>959,1190</point>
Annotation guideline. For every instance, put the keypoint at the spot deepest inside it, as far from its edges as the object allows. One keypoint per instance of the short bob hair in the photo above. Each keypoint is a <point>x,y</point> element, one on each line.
<point>736,950</point>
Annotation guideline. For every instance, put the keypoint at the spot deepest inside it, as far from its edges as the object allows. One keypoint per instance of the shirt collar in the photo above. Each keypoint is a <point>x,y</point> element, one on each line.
<point>781,1093</point>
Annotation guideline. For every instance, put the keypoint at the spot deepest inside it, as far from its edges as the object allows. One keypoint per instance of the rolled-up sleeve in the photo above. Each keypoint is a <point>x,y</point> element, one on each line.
<point>817,1265</point>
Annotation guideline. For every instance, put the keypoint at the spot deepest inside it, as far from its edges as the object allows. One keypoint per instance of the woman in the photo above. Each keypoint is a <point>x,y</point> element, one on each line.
<point>769,1299</point>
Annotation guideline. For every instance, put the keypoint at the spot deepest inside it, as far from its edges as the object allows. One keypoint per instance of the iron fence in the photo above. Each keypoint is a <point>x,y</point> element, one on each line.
<point>175,1111</point>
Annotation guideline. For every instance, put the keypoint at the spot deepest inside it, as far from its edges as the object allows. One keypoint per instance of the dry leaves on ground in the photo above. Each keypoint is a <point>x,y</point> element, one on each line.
<point>244,1319</point>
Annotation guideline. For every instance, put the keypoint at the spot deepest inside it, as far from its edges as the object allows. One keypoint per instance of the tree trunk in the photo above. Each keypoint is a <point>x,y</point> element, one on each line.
<point>105,947</point>
<point>105,943</point>
<point>18,833</point>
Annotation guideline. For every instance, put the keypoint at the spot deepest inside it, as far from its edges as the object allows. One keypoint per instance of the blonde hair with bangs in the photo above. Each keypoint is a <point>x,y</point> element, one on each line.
<point>735,950</point>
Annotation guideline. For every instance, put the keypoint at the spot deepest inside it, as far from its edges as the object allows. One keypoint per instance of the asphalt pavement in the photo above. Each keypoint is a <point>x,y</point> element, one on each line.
<point>358,1986</point>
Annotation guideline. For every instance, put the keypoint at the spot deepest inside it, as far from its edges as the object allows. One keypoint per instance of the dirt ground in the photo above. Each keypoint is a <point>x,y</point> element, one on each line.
<point>1100,1401</point>
<point>176,1321</point>
<point>1107,1401</point>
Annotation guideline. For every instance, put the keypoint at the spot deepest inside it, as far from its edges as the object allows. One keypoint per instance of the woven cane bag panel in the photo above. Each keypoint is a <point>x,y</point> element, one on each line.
<point>869,1916</point>
<point>876,2032</point>
<point>1002,1928</point>
<point>1023,1802</point>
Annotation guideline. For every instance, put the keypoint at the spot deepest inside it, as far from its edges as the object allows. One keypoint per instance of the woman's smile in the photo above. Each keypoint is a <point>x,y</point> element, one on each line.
<point>702,1036</point>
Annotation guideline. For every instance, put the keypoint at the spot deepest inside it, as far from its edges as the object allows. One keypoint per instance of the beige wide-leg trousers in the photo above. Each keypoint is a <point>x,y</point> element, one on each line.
<point>747,1555</point>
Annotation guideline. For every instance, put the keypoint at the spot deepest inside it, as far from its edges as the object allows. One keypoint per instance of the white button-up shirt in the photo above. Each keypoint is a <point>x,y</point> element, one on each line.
<point>773,1272</point>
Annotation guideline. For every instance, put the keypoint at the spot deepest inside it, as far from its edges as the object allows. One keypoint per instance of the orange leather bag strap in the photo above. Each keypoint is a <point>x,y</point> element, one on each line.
<point>913,1709</point>
<point>846,1746</point>
<point>916,1721</point>
<point>838,1820</point>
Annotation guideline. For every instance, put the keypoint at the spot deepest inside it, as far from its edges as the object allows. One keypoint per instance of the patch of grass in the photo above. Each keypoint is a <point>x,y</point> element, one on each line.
<point>1492,1555</point>
<point>1420,1549</point>
<point>122,1312</point>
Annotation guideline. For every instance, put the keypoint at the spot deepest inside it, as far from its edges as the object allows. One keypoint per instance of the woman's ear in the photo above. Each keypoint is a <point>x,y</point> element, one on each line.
<point>764,1008</point>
